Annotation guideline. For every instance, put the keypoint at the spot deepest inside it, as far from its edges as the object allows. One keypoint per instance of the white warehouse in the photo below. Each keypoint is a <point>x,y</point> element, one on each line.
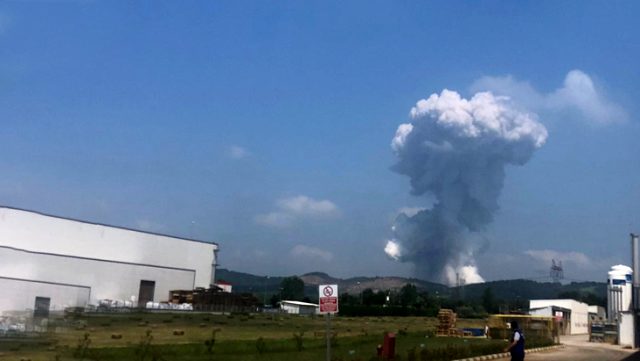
<point>299,308</point>
<point>575,312</point>
<point>56,262</point>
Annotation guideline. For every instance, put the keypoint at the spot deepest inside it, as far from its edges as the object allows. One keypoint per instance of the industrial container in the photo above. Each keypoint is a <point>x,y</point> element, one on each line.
<point>619,291</point>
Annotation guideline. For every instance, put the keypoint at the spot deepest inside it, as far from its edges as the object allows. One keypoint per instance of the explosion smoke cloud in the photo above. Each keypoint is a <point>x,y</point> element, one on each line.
<point>456,150</point>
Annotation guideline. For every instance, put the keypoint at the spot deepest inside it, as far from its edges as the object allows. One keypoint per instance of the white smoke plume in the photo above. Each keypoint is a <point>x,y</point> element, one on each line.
<point>456,150</point>
<point>392,249</point>
<point>463,275</point>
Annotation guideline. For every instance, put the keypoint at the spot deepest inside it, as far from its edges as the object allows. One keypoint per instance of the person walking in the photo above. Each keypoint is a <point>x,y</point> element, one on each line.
<point>516,347</point>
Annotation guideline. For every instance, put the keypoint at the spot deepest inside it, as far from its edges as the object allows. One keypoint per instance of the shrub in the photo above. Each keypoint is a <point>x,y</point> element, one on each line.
<point>211,341</point>
<point>412,354</point>
<point>261,346</point>
<point>298,339</point>
<point>424,355</point>
<point>334,339</point>
<point>144,346</point>
<point>82,349</point>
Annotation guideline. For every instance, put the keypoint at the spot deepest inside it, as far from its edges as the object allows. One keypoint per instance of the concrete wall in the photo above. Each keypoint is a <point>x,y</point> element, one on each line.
<point>110,280</point>
<point>299,309</point>
<point>626,330</point>
<point>546,311</point>
<point>20,295</point>
<point>289,308</point>
<point>579,312</point>
<point>33,231</point>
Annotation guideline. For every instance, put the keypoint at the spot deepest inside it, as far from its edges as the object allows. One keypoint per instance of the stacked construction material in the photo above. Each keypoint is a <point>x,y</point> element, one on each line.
<point>212,299</point>
<point>168,306</point>
<point>446,323</point>
<point>181,296</point>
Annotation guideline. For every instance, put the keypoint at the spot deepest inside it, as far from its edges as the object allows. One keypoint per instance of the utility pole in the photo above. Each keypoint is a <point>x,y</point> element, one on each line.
<point>635,290</point>
<point>264,294</point>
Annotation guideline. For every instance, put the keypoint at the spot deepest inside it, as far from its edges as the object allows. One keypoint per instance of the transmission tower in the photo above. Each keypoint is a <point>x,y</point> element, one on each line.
<point>556,272</point>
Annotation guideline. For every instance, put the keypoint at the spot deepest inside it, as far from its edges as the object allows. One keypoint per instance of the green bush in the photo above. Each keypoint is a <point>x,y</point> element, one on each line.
<point>412,354</point>
<point>209,343</point>
<point>298,339</point>
<point>261,345</point>
<point>82,349</point>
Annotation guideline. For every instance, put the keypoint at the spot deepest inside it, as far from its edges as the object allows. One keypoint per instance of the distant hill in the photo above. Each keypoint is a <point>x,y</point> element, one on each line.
<point>245,282</point>
<point>527,290</point>
<point>506,290</point>
<point>356,285</point>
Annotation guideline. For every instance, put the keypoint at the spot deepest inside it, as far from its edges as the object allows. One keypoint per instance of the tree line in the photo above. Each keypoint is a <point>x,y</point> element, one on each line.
<point>411,301</point>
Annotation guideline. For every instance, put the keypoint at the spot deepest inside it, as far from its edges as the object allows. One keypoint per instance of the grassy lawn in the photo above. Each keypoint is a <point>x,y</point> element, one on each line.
<point>182,336</point>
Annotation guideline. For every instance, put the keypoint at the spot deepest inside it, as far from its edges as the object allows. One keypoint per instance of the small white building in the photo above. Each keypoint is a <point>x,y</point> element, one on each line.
<point>50,263</point>
<point>299,308</point>
<point>577,319</point>
<point>224,286</point>
<point>561,315</point>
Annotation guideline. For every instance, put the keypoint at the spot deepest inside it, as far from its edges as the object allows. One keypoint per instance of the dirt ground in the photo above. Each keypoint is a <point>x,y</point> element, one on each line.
<point>577,348</point>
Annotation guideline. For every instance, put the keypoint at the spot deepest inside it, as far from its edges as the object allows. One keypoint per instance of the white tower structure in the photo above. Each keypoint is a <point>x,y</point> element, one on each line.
<point>619,291</point>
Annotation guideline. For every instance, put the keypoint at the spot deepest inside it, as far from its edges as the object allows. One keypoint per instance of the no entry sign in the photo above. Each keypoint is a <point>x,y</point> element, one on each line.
<point>328,295</point>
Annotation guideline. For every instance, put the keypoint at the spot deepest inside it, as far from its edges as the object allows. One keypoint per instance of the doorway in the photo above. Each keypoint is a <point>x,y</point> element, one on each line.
<point>41,307</point>
<point>147,290</point>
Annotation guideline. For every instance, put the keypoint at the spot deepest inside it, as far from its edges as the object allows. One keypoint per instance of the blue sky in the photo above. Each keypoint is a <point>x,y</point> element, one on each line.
<point>266,126</point>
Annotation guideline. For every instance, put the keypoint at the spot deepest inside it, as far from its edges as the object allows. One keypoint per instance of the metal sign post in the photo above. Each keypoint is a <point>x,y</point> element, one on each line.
<point>327,331</point>
<point>328,296</point>
<point>635,288</point>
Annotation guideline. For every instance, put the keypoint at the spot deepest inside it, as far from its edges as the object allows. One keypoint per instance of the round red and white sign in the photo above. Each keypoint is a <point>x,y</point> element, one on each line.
<point>328,291</point>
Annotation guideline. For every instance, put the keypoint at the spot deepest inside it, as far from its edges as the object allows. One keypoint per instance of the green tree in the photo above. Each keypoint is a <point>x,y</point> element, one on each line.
<point>292,288</point>
<point>274,300</point>
<point>489,301</point>
<point>370,298</point>
<point>574,295</point>
<point>586,297</point>
<point>408,295</point>
<point>348,299</point>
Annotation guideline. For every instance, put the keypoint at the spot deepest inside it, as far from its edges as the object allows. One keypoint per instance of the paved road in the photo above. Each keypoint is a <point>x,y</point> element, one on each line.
<point>578,349</point>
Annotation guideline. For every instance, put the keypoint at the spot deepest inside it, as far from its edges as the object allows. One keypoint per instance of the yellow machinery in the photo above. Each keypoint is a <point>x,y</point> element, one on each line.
<point>534,327</point>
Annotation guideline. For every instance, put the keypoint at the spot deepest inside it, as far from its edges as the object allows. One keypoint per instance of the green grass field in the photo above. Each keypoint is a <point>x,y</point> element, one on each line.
<point>184,337</point>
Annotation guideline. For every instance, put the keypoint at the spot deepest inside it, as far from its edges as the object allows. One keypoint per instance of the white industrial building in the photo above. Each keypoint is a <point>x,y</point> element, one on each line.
<point>561,315</point>
<point>55,262</point>
<point>224,286</point>
<point>299,308</point>
<point>574,312</point>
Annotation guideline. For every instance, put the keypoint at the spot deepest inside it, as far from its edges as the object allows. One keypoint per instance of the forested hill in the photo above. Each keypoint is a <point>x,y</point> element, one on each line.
<point>589,292</point>
<point>507,290</point>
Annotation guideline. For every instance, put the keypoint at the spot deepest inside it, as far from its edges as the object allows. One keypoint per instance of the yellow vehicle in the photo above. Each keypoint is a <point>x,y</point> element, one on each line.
<point>534,327</point>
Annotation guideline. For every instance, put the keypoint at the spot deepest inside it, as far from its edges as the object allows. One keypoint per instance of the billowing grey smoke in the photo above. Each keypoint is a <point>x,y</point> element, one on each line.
<point>456,150</point>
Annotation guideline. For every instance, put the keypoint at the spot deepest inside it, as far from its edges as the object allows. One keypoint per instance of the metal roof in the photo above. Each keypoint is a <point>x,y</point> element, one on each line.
<point>299,303</point>
<point>107,225</point>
